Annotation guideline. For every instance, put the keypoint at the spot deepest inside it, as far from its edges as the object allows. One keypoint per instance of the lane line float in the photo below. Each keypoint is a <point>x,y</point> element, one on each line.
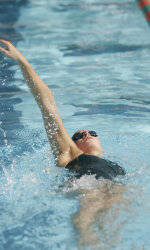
<point>145,7</point>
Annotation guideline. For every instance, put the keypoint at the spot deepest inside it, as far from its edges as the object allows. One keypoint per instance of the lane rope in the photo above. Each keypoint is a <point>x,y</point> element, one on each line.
<point>144,5</point>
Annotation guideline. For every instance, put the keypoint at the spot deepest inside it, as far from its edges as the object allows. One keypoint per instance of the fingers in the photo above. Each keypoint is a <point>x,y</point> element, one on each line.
<point>7,45</point>
<point>2,50</point>
<point>9,50</point>
<point>5,42</point>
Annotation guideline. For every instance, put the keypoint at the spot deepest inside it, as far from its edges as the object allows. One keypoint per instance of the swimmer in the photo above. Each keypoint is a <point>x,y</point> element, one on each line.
<point>81,153</point>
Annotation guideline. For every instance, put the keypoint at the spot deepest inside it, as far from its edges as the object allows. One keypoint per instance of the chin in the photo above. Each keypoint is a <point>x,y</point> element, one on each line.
<point>92,150</point>
<point>90,147</point>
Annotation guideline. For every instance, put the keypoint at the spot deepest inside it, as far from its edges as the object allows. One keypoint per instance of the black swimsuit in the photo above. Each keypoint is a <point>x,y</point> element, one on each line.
<point>93,165</point>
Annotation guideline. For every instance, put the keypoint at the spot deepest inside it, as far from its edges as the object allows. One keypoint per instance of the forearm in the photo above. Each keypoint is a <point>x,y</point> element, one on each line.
<point>45,99</point>
<point>42,94</point>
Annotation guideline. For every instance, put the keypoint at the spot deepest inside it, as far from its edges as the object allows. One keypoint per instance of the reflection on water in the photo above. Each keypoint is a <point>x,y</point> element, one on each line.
<point>77,50</point>
<point>103,212</point>
<point>88,5</point>
<point>112,109</point>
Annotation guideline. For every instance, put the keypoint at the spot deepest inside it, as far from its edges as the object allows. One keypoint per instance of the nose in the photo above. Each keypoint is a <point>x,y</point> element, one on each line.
<point>85,134</point>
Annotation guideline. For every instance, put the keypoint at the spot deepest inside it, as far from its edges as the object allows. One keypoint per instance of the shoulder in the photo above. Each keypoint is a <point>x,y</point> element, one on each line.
<point>68,157</point>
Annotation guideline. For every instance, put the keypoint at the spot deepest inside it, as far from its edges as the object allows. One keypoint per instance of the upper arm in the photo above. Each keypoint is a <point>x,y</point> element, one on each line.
<point>64,149</point>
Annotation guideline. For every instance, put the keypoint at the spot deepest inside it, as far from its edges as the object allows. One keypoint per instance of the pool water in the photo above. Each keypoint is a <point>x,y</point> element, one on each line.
<point>94,55</point>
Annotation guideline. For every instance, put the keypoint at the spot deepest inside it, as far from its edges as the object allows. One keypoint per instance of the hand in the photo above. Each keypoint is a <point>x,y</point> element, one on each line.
<point>10,50</point>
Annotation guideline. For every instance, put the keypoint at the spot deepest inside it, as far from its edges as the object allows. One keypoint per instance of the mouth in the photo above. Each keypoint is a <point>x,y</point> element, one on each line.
<point>88,138</point>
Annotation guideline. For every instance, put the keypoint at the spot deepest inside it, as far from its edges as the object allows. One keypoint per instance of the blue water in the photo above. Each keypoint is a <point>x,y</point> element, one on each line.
<point>94,55</point>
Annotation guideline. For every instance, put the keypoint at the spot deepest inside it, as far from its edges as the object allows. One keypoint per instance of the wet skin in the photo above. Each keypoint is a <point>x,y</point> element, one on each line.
<point>63,147</point>
<point>89,144</point>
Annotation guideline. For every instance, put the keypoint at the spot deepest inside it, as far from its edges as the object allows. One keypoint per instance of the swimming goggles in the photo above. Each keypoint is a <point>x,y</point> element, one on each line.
<point>79,135</point>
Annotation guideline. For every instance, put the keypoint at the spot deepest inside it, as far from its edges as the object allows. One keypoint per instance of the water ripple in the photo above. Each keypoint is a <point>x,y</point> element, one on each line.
<point>112,109</point>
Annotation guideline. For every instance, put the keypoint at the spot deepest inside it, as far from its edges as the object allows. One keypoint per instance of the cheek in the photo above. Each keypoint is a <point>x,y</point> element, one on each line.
<point>98,142</point>
<point>79,144</point>
<point>82,146</point>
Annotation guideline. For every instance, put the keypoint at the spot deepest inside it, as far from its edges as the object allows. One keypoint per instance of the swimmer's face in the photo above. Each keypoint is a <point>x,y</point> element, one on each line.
<point>88,142</point>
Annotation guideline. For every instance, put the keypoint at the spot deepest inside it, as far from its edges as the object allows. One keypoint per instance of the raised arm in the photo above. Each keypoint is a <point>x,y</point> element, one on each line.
<point>63,147</point>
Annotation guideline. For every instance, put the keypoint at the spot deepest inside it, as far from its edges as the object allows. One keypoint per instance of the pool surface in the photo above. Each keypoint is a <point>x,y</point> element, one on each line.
<point>95,56</point>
